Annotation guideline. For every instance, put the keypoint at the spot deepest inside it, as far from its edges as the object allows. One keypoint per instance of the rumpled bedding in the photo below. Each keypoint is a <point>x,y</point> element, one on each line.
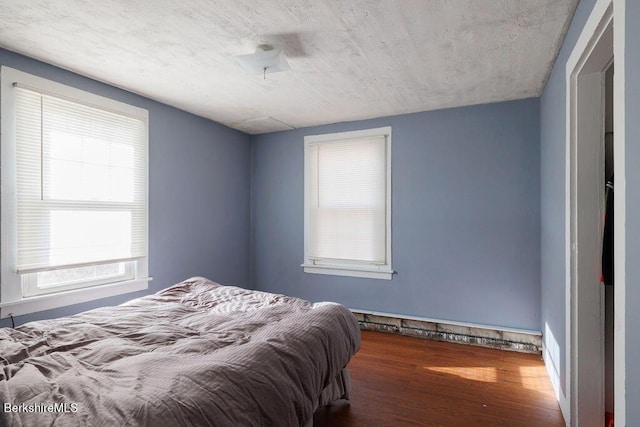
<point>197,353</point>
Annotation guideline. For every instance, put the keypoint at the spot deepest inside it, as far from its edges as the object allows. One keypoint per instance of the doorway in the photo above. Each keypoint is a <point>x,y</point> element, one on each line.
<point>586,77</point>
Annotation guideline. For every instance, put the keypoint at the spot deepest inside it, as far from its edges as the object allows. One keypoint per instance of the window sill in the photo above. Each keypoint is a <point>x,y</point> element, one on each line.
<point>348,271</point>
<point>46,302</point>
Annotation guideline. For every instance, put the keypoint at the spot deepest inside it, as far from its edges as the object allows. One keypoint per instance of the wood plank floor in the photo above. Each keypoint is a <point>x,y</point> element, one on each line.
<point>405,381</point>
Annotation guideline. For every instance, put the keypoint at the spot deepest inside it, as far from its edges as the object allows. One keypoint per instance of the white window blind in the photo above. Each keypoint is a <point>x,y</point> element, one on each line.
<point>347,204</point>
<point>347,189</point>
<point>81,183</point>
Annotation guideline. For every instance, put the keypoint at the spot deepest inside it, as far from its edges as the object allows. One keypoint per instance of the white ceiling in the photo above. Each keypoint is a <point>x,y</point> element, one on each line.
<point>349,59</point>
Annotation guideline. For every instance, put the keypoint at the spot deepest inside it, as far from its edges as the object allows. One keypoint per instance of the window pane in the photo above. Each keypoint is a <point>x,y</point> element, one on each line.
<point>95,182</point>
<point>83,236</point>
<point>95,151</point>
<point>350,234</point>
<point>122,155</point>
<point>65,276</point>
<point>85,168</point>
<point>104,143</point>
<point>351,174</point>
<point>121,184</point>
<point>63,180</point>
<point>65,146</point>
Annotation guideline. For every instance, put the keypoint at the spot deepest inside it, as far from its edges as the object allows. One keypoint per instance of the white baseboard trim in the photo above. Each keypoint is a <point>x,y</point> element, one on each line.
<point>522,340</point>
<point>554,376</point>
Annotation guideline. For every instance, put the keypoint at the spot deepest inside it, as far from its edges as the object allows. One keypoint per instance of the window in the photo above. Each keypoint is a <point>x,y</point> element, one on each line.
<point>347,209</point>
<point>74,195</point>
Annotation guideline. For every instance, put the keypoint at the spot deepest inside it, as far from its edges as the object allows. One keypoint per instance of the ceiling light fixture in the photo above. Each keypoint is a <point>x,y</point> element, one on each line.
<point>264,60</point>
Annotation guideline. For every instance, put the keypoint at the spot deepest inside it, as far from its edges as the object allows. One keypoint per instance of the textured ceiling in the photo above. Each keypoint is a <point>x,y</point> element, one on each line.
<point>349,59</point>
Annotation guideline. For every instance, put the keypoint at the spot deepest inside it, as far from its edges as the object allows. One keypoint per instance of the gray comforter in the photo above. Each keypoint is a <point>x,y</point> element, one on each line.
<point>196,353</point>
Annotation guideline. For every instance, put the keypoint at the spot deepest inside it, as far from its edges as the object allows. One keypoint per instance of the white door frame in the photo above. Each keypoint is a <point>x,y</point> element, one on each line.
<point>584,189</point>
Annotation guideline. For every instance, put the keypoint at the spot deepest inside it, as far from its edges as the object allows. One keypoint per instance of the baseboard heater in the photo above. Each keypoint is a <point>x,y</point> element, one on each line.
<point>520,340</point>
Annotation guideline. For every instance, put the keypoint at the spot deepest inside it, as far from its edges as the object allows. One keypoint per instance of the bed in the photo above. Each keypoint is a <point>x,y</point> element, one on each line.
<point>196,353</point>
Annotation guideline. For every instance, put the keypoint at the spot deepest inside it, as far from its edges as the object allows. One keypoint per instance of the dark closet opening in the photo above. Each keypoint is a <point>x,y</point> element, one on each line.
<point>608,254</point>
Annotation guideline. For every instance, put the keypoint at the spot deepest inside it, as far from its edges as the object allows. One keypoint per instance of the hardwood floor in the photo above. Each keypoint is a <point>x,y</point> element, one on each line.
<point>404,381</point>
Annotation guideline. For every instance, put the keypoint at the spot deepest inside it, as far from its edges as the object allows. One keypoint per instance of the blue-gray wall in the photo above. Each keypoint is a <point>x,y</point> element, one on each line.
<point>465,217</point>
<point>198,192</point>
<point>632,169</point>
